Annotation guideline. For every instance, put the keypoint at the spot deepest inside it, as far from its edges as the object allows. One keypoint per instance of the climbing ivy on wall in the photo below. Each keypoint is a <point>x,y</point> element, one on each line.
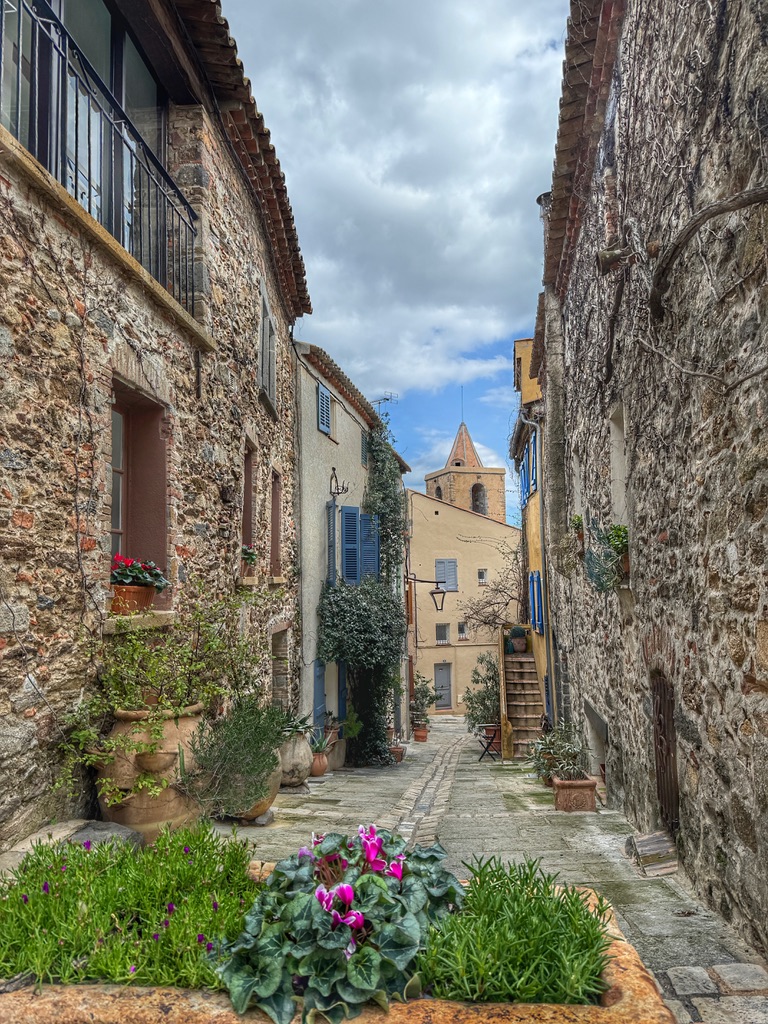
<point>364,626</point>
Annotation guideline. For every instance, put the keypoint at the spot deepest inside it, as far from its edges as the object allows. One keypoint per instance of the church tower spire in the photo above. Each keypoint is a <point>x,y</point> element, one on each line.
<point>465,482</point>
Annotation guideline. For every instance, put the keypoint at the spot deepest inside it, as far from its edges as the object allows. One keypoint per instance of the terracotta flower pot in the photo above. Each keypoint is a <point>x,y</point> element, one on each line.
<point>420,733</point>
<point>319,764</point>
<point>127,600</point>
<point>398,753</point>
<point>263,805</point>
<point>519,644</point>
<point>574,794</point>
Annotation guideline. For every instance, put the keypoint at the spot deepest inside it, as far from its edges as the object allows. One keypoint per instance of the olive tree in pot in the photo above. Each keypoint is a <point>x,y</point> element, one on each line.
<point>424,696</point>
<point>482,701</point>
<point>237,770</point>
<point>574,789</point>
<point>295,751</point>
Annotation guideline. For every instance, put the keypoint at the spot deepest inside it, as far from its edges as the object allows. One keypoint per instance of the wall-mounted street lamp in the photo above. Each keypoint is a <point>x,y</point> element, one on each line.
<point>437,593</point>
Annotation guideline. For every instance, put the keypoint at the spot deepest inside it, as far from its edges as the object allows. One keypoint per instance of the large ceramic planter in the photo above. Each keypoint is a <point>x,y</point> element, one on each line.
<point>574,794</point>
<point>147,814</point>
<point>296,759</point>
<point>128,600</point>
<point>631,998</point>
<point>273,788</point>
<point>337,755</point>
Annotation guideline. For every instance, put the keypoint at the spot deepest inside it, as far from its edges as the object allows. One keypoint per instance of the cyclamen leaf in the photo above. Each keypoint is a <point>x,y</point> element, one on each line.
<point>332,843</point>
<point>323,970</point>
<point>267,975</point>
<point>364,968</point>
<point>241,987</point>
<point>272,941</point>
<point>400,943</point>
<point>281,1006</point>
<point>297,912</point>
<point>413,893</point>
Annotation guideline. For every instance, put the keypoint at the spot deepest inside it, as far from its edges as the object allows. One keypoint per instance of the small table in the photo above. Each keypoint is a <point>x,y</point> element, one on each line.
<point>488,734</point>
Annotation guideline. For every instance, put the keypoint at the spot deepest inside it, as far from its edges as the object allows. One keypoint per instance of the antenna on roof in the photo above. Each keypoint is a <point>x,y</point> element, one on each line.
<point>389,396</point>
<point>462,403</point>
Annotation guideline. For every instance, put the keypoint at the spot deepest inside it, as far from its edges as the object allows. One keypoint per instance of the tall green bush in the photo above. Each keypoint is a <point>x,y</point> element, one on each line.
<point>482,702</point>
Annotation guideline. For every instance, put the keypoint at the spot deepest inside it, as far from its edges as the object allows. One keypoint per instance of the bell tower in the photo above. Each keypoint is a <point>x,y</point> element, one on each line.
<point>464,481</point>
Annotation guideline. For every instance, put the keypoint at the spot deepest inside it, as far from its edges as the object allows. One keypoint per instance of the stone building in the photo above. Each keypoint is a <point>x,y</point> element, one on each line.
<point>150,275</point>
<point>652,354</point>
<point>338,540</point>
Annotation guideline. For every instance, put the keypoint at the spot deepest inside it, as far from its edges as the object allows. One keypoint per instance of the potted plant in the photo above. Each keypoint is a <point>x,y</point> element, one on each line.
<point>135,729</point>
<point>134,584</point>
<point>542,754</point>
<point>320,746</point>
<point>618,538</point>
<point>574,789</point>
<point>396,749</point>
<point>424,696</point>
<point>331,726</point>
<point>516,641</point>
<point>482,700</point>
<point>248,559</point>
<point>236,770</point>
<point>295,751</point>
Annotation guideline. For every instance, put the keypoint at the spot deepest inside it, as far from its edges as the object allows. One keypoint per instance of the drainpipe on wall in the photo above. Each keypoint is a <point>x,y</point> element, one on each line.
<point>545,610</point>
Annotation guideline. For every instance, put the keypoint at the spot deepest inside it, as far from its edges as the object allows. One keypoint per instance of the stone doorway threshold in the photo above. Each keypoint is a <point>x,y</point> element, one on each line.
<point>654,853</point>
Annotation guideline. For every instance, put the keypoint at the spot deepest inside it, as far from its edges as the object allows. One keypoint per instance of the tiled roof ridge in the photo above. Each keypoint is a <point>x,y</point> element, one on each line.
<point>209,32</point>
<point>591,46</point>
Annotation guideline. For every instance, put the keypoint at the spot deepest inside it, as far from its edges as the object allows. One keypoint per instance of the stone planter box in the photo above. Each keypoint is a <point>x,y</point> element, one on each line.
<point>632,998</point>
<point>574,794</point>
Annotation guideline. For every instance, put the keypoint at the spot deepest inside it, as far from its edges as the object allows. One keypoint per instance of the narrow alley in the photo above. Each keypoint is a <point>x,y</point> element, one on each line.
<point>480,809</point>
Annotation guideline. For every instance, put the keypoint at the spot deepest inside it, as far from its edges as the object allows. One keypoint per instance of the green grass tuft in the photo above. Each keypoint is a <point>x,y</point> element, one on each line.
<point>112,913</point>
<point>519,938</point>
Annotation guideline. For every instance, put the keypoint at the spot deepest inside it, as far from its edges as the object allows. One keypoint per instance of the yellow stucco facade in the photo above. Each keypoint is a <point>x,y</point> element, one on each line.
<point>443,533</point>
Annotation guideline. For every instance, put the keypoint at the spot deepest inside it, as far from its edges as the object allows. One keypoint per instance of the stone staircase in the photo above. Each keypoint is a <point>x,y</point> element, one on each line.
<point>524,706</point>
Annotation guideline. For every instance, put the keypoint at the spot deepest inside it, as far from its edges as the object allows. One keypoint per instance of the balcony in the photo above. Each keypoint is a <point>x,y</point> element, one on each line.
<point>56,105</point>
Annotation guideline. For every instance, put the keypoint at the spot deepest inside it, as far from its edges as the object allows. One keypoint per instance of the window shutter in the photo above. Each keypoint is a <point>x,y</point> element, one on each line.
<point>330,511</point>
<point>451,574</point>
<point>440,570</point>
<point>323,409</point>
<point>532,599</point>
<point>369,546</point>
<point>533,461</point>
<point>539,606</point>
<point>363,447</point>
<point>350,544</point>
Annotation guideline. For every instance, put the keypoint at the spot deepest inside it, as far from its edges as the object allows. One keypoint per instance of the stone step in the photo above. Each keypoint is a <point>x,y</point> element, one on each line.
<point>518,657</point>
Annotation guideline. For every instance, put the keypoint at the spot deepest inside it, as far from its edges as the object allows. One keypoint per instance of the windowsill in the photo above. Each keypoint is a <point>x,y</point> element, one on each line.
<point>129,623</point>
<point>442,643</point>
<point>66,205</point>
<point>248,581</point>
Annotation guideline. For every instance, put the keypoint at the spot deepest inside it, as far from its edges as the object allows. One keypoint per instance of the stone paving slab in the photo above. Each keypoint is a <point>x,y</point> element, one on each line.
<point>743,977</point>
<point>732,1010</point>
<point>691,981</point>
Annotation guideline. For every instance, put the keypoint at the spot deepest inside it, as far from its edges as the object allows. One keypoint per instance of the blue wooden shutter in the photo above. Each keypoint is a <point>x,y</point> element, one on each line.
<point>532,599</point>
<point>524,484</point>
<point>451,574</point>
<point>363,447</point>
<point>342,713</point>
<point>323,409</point>
<point>539,605</point>
<point>369,546</point>
<point>350,544</point>
<point>330,511</point>
<point>533,461</point>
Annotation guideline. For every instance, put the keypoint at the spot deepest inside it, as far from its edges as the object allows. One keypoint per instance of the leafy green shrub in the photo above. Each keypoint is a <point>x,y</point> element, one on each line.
<point>519,938</point>
<point>235,755</point>
<point>76,912</point>
<point>338,925</point>
<point>482,702</point>
<point>562,752</point>
<point>424,696</point>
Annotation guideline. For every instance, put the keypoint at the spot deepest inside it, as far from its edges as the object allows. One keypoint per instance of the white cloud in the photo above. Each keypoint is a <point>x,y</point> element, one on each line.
<point>415,138</point>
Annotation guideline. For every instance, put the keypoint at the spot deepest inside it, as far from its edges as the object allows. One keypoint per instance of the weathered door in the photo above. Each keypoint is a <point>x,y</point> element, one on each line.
<point>665,748</point>
<point>443,685</point>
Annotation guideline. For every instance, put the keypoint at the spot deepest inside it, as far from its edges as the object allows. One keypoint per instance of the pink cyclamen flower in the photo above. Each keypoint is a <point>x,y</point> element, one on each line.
<point>317,838</point>
<point>345,893</point>
<point>395,870</point>
<point>353,918</point>
<point>305,852</point>
<point>372,849</point>
<point>87,845</point>
<point>350,948</point>
<point>325,898</point>
<point>46,888</point>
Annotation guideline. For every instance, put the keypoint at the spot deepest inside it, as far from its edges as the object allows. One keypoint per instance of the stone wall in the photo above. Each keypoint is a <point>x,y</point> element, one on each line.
<point>685,125</point>
<point>76,312</point>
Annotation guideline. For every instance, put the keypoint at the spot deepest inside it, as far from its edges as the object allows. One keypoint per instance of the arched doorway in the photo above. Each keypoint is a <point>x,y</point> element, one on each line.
<point>665,751</point>
<point>439,493</point>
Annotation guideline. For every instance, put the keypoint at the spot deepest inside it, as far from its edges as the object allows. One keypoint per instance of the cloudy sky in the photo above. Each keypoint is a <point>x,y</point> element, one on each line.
<point>415,137</point>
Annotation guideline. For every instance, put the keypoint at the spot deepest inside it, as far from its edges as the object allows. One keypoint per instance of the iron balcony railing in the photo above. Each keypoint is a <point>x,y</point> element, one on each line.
<point>53,101</point>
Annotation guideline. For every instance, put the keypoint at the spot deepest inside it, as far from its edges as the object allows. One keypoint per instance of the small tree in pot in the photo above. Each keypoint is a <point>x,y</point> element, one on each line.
<point>424,696</point>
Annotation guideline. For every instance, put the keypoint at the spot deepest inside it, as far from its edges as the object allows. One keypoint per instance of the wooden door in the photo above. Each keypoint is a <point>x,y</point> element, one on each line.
<point>665,749</point>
